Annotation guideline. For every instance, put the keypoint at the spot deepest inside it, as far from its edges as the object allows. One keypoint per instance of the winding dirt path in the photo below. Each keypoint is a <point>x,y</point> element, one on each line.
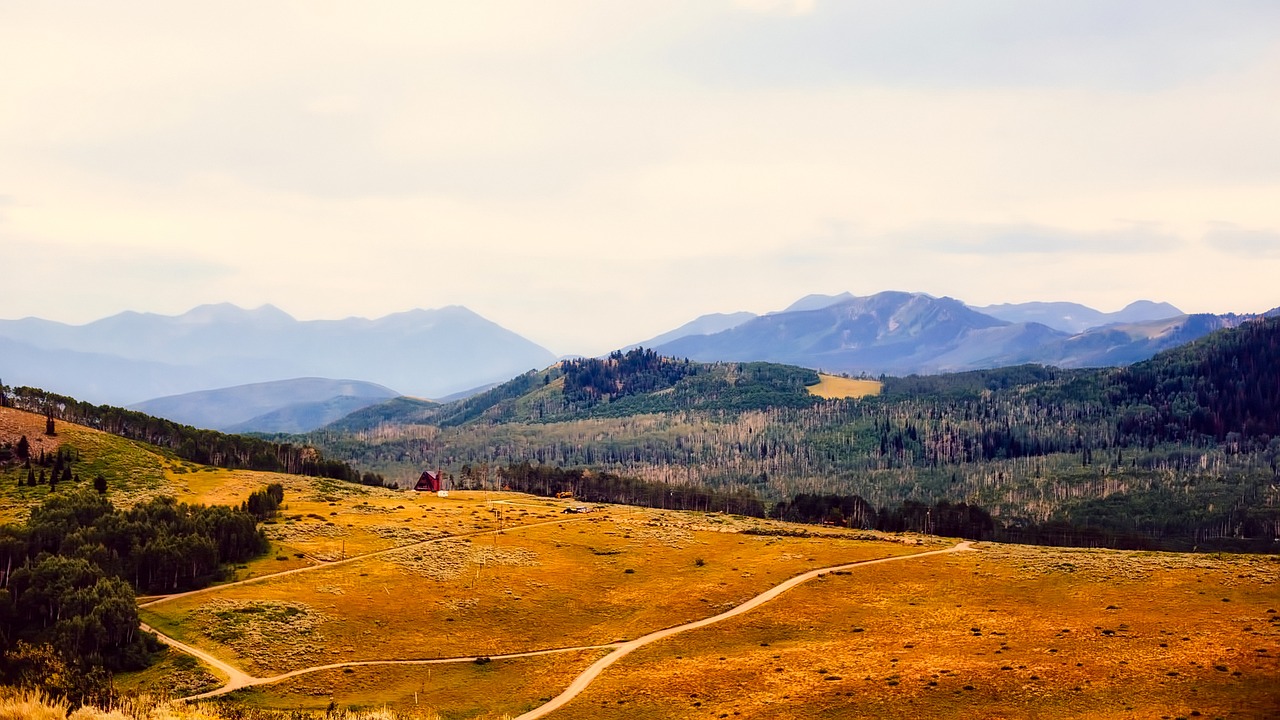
<point>238,679</point>
<point>581,682</point>
<point>241,680</point>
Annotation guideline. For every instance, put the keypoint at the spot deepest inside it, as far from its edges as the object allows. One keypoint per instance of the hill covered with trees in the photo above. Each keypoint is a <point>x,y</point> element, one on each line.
<point>1181,449</point>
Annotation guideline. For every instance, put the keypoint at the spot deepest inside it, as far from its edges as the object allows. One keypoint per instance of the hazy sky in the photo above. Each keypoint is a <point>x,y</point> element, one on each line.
<point>591,173</point>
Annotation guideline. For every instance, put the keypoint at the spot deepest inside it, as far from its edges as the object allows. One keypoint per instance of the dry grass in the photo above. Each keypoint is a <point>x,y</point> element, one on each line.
<point>567,584</point>
<point>1003,632</point>
<point>832,386</point>
<point>172,674</point>
<point>1006,631</point>
<point>498,689</point>
<point>33,705</point>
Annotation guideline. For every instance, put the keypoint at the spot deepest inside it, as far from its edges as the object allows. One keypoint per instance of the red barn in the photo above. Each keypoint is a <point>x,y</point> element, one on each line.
<point>429,482</point>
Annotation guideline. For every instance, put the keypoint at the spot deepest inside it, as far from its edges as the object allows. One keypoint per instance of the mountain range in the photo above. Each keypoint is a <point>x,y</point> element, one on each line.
<point>899,333</point>
<point>155,362</point>
<point>132,357</point>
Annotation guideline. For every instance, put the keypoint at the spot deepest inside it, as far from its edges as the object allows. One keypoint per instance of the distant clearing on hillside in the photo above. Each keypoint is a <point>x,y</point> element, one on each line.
<point>833,387</point>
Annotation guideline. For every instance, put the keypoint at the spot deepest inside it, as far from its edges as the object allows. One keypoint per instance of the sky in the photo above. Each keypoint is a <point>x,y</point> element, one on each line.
<point>590,173</point>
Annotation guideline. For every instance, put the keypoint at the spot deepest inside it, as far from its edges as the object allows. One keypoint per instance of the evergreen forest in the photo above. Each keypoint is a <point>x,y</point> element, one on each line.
<point>1180,451</point>
<point>69,574</point>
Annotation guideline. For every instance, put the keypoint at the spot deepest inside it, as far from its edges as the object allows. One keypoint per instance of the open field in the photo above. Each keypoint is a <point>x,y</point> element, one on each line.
<point>1005,631</point>
<point>834,386</point>
<point>582,580</point>
<point>1001,631</point>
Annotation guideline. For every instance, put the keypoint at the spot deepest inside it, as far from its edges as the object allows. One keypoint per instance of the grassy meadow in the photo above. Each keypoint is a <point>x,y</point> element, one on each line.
<point>580,580</point>
<point>998,632</point>
<point>833,386</point>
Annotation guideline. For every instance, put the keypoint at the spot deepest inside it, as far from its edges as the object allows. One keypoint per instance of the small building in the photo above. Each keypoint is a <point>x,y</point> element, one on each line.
<point>429,481</point>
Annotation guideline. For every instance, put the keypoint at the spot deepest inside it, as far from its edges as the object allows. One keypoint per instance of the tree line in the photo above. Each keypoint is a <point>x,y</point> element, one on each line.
<point>605,487</point>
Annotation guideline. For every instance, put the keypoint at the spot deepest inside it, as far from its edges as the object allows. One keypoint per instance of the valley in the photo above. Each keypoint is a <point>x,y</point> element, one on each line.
<point>489,605</point>
<point>674,580</point>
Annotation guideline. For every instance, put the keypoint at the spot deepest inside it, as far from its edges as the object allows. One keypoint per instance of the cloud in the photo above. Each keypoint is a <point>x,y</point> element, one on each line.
<point>1030,239</point>
<point>777,7</point>
<point>1233,239</point>
<point>1140,44</point>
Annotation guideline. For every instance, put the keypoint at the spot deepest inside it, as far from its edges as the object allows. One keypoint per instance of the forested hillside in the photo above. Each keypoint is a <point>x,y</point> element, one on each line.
<point>207,447</point>
<point>1225,388</point>
<point>68,619</point>
<point>1181,446</point>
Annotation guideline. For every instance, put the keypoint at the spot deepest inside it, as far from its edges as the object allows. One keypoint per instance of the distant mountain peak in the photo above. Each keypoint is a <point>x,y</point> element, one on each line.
<point>702,325</point>
<point>230,312</point>
<point>818,301</point>
<point>1075,318</point>
<point>1148,306</point>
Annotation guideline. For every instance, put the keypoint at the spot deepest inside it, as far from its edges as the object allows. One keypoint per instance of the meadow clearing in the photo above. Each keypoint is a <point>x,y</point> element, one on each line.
<point>834,386</point>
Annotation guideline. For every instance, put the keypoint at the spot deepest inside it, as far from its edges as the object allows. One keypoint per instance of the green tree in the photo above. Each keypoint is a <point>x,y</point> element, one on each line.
<point>100,484</point>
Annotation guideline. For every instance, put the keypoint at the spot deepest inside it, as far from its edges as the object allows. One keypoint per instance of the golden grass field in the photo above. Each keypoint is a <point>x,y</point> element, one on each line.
<point>581,580</point>
<point>1000,632</point>
<point>833,386</point>
<point>994,632</point>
